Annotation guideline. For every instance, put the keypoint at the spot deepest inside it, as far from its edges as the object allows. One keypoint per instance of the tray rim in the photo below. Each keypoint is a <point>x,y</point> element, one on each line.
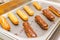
<point>52,1</point>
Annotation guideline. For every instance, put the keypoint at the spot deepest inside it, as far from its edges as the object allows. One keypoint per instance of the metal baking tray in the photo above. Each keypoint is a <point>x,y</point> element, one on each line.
<point>57,1</point>
<point>17,31</point>
<point>54,1</point>
<point>4,37</point>
<point>56,34</point>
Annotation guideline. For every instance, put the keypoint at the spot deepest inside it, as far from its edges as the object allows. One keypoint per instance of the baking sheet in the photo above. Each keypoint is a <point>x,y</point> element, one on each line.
<point>56,34</point>
<point>58,1</point>
<point>4,37</point>
<point>18,29</point>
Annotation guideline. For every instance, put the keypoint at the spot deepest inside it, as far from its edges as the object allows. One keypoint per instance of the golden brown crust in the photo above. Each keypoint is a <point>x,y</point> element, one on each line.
<point>36,5</point>
<point>22,15</point>
<point>29,11</point>
<point>13,18</point>
<point>5,25</point>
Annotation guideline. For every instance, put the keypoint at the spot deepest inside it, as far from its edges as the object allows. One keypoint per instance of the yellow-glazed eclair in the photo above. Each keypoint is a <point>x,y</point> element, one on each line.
<point>22,15</point>
<point>54,10</point>
<point>37,6</point>
<point>5,25</point>
<point>13,18</point>
<point>29,10</point>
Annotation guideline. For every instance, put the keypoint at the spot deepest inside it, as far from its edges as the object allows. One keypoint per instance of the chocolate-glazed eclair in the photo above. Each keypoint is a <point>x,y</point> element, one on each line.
<point>54,10</point>
<point>48,14</point>
<point>41,22</point>
<point>28,30</point>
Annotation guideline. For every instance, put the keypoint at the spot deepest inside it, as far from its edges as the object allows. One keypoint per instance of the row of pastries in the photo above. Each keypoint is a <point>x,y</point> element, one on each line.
<point>27,27</point>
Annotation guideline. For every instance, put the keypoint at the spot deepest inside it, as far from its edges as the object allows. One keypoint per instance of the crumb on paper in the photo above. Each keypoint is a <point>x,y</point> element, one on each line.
<point>16,34</point>
<point>21,31</point>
